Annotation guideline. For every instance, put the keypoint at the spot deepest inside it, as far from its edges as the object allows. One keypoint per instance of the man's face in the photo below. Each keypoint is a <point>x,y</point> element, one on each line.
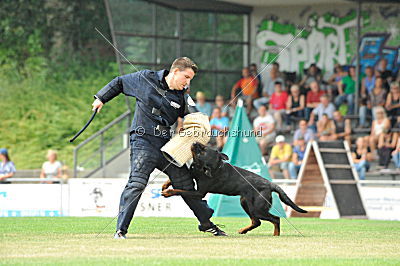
<point>352,72</point>
<point>278,87</point>
<point>369,72</point>
<point>383,64</point>
<point>182,78</point>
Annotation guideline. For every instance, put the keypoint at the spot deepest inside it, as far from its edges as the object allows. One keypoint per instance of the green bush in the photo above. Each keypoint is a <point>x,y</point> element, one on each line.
<point>44,103</point>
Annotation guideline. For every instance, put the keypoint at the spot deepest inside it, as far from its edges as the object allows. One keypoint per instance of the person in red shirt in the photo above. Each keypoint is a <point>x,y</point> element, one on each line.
<point>313,98</point>
<point>277,103</point>
<point>246,89</point>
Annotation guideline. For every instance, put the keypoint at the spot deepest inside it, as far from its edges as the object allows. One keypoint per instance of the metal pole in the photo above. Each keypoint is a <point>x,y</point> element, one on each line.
<point>76,162</point>
<point>102,155</point>
<point>358,57</point>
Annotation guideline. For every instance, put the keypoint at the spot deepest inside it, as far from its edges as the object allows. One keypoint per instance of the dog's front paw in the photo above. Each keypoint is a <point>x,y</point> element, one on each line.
<point>243,231</point>
<point>167,193</point>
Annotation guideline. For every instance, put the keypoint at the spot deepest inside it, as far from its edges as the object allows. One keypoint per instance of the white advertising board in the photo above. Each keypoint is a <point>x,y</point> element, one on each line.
<point>32,200</point>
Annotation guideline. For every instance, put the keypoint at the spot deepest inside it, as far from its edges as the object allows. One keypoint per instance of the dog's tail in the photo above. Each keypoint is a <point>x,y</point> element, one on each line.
<point>285,199</point>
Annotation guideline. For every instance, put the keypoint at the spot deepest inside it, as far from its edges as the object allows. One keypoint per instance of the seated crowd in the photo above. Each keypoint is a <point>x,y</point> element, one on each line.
<point>315,108</point>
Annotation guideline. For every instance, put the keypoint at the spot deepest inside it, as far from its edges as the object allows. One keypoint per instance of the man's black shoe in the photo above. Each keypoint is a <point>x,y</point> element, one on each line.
<point>119,235</point>
<point>213,229</point>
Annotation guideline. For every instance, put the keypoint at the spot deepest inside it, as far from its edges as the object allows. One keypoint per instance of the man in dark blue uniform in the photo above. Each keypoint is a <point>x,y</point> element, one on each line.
<point>160,100</point>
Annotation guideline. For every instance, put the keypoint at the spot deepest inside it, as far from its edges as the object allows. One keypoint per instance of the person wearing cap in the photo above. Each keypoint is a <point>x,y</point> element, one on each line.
<point>160,100</point>
<point>297,157</point>
<point>280,157</point>
<point>7,167</point>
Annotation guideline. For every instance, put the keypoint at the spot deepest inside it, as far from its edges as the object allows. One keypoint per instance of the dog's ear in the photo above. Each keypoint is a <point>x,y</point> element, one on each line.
<point>223,156</point>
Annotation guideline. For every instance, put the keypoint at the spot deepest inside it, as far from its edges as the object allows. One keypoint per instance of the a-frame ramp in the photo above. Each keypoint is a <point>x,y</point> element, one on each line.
<point>326,170</point>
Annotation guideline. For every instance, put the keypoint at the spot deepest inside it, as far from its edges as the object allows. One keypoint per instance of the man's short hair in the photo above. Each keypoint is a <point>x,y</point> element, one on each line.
<point>182,63</point>
<point>278,83</point>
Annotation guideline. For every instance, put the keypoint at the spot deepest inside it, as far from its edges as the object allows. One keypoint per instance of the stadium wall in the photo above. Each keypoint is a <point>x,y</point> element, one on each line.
<point>329,36</point>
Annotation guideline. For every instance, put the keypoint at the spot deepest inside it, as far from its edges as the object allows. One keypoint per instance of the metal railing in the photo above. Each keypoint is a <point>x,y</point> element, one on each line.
<point>102,147</point>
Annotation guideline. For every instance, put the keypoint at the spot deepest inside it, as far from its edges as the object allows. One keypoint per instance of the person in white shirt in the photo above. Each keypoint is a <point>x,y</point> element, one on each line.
<point>52,167</point>
<point>264,128</point>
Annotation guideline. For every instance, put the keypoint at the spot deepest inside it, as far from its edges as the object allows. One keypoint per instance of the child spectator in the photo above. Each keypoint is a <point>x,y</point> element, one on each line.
<point>297,157</point>
<point>51,168</point>
<point>313,98</point>
<point>246,89</point>
<point>303,132</point>
<point>202,105</point>
<point>360,158</point>
<point>295,104</point>
<point>281,155</point>
<point>264,123</point>
<point>325,129</point>
<point>347,88</point>
<point>219,126</point>
<point>220,102</point>
<point>7,167</point>
<point>277,103</point>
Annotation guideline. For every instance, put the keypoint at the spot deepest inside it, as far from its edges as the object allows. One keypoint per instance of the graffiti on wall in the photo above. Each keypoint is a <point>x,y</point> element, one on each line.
<point>326,41</point>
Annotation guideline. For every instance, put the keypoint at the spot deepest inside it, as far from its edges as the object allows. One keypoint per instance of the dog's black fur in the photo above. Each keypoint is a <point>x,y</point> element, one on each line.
<point>213,175</point>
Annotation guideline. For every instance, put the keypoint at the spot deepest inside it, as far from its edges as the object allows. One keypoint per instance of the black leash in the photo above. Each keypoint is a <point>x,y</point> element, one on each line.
<point>85,126</point>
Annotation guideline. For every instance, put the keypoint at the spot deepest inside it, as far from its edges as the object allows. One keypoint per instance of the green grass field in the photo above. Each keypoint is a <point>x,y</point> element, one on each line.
<point>176,241</point>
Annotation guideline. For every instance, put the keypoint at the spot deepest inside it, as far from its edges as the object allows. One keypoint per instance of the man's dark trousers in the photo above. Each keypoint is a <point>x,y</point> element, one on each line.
<point>145,157</point>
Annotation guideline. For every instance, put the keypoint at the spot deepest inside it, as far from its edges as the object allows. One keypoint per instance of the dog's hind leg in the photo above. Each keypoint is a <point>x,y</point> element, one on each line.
<point>254,221</point>
<point>262,212</point>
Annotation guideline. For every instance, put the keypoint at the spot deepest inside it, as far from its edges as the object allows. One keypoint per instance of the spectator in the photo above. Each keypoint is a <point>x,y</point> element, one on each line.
<point>396,154</point>
<point>202,105</point>
<point>7,167</point>
<point>342,127</point>
<point>277,103</point>
<point>333,80</point>
<point>246,89</point>
<point>295,104</point>
<point>360,158</point>
<point>380,124</point>
<point>313,98</point>
<point>219,126</point>
<point>303,132</point>
<point>386,145</point>
<point>265,124</point>
<point>347,88</point>
<point>368,82</point>
<point>220,102</point>
<point>313,75</point>
<point>385,73</point>
<point>325,107</point>
<point>254,73</point>
<point>297,157</point>
<point>280,157</point>
<point>393,103</point>
<point>325,128</point>
<point>269,87</point>
<point>51,168</point>
<point>376,98</point>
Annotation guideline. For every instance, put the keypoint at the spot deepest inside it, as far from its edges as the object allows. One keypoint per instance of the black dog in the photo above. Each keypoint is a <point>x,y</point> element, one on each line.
<point>214,175</point>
